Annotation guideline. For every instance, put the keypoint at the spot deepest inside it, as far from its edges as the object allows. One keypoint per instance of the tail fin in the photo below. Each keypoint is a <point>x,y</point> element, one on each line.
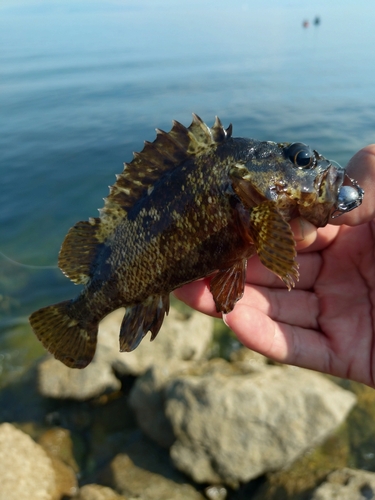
<point>64,336</point>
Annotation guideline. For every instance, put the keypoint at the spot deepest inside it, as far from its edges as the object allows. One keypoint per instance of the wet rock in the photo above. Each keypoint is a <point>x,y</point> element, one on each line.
<point>361,423</point>
<point>234,428</point>
<point>26,471</point>
<point>147,455</point>
<point>181,337</point>
<point>58,443</point>
<point>97,492</point>
<point>134,482</point>
<point>216,492</point>
<point>298,481</point>
<point>55,380</point>
<point>66,482</point>
<point>347,484</point>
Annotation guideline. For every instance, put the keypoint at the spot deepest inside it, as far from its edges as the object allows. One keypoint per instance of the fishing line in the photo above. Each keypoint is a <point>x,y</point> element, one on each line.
<point>26,265</point>
<point>337,164</point>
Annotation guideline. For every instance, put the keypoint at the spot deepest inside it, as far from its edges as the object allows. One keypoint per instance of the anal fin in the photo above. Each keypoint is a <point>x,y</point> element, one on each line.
<point>142,318</point>
<point>274,242</point>
<point>227,286</point>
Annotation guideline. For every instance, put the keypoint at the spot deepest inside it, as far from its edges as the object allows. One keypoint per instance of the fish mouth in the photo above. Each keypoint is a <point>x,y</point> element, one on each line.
<point>327,185</point>
<point>349,197</point>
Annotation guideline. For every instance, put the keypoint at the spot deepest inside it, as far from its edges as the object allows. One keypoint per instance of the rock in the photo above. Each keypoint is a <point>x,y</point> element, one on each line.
<point>248,361</point>
<point>216,492</point>
<point>232,429</point>
<point>307,472</point>
<point>26,471</point>
<point>66,482</point>
<point>146,454</point>
<point>134,482</point>
<point>58,443</point>
<point>147,397</point>
<point>361,425</point>
<point>97,492</point>
<point>347,484</point>
<point>59,447</point>
<point>179,338</point>
<point>147,400</point>
<point>55,380</point>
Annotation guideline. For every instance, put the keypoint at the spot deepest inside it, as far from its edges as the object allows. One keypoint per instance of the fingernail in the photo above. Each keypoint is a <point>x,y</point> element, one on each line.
<point>300,234</point>
<point>225,319</point>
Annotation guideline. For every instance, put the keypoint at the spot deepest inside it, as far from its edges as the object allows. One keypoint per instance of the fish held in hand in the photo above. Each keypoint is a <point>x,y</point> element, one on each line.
<point>196,202</point>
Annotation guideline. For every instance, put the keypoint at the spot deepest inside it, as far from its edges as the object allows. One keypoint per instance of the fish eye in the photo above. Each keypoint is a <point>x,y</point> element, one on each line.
<point>300,154</point>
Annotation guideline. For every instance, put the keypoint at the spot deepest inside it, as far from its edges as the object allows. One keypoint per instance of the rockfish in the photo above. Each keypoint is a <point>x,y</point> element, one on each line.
<point>195,202</point>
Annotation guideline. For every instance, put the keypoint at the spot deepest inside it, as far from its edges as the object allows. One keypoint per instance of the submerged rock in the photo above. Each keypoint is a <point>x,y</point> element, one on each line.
<point>135,482</point>
<point>232,429</point>
<point>58,443</point>
<point>298,481</point>
<point>97,492</point>
<point>347,484</point>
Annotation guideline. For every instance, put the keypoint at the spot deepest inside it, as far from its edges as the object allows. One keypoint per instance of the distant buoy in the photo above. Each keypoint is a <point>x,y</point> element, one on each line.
<point>305,24</point>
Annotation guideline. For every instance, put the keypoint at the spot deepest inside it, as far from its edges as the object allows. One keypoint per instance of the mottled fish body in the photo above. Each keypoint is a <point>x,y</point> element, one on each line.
<point>196,202</point>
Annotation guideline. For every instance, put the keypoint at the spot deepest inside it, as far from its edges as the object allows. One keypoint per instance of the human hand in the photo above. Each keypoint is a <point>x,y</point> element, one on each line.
<point>327,323</point>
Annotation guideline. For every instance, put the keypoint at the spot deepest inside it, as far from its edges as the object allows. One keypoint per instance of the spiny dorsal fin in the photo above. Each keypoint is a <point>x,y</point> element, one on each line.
<point>168,150</point>
<point>82,243</point>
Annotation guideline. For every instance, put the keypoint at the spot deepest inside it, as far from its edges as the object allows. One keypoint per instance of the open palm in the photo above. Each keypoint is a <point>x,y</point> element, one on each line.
<point>327,323</point>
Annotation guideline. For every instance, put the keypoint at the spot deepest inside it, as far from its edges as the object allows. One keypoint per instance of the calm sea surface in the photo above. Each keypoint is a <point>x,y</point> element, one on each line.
<point>82,84</point>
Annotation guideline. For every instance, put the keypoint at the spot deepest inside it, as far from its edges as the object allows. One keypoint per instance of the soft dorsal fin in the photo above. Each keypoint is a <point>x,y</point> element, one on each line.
<point>164,154</point>
<point>82,243</point>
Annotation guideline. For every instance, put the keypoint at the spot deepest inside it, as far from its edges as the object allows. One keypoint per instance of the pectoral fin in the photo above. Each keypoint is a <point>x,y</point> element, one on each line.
<point>274,242</point>
<point>142,318</point>
<point>227,286</point>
